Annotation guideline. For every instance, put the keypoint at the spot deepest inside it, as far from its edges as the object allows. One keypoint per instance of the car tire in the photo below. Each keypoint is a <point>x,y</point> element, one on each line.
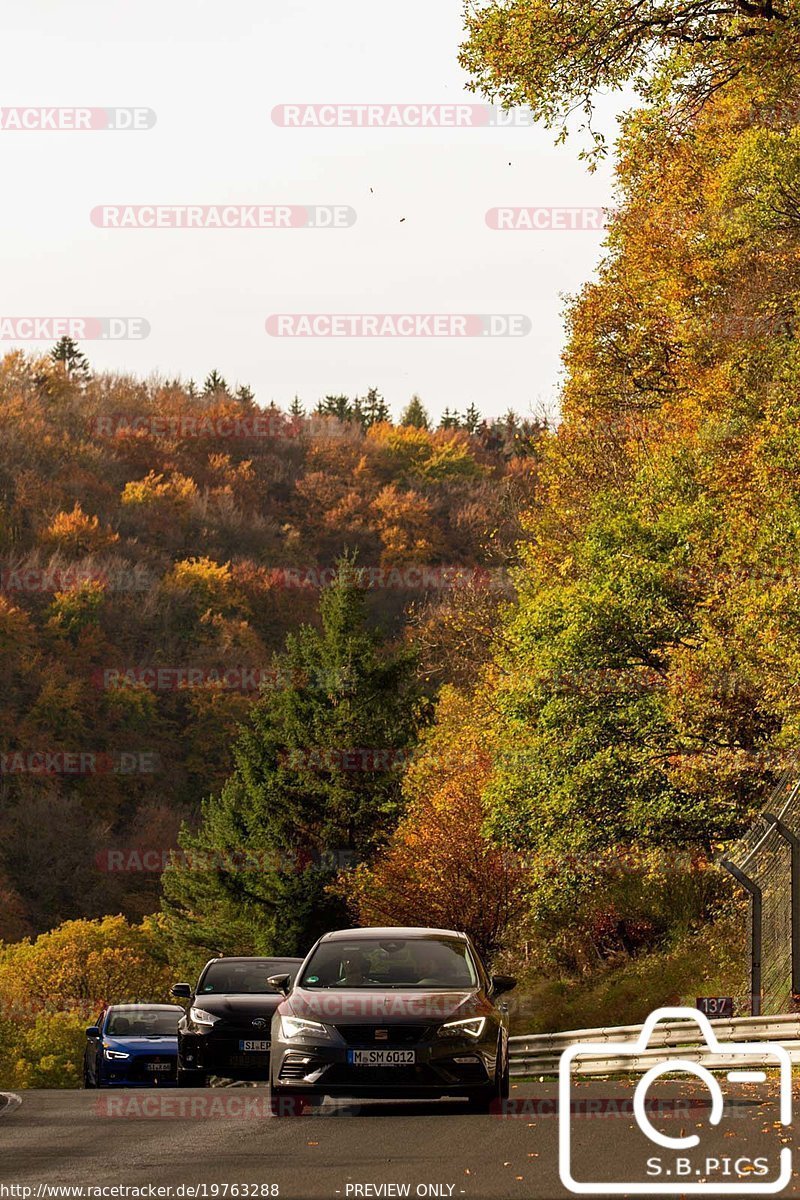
<point>491,1099</point>
<point>188,1078</point>
<point>504,1082</point>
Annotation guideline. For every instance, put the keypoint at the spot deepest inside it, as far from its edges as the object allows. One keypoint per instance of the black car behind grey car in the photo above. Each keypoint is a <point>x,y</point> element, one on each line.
<point>391,1013</point>
<point>226,1029</point>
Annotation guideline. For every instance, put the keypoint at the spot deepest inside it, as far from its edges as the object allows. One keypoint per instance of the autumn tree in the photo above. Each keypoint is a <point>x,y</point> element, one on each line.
<point>556,59</point>
<point>52,987</point>
<point>439,868</point>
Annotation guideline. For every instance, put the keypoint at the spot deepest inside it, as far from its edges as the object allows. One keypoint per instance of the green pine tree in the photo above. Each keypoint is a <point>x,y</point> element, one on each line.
<point>449,420</point>
<point>316,786</point>
<point>214,383</point>
<point>296,408</point>
<point>472,419</point>
<point>75,363</point>
<point>336,406</point>
<point>415,414</point>
<point>374,408</point>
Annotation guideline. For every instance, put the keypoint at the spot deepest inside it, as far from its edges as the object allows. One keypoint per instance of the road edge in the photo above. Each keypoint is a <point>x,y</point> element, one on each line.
<point>8,1102</point>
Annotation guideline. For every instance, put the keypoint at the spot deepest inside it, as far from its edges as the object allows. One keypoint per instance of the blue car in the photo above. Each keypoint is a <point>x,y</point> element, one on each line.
<point>133,1045</point>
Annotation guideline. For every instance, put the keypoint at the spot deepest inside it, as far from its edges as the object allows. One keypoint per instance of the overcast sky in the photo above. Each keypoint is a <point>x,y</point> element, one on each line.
<point>213,74</point>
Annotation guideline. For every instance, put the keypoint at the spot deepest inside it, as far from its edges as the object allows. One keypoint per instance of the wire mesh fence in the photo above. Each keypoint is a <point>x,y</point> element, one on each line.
<point>765,863</point>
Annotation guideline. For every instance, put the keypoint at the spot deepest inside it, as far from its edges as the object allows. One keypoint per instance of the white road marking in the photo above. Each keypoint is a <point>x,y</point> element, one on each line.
<point>12,1100</point>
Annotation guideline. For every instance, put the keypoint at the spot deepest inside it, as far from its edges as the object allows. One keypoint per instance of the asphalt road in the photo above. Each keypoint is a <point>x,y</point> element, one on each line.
<point>227,1136</point>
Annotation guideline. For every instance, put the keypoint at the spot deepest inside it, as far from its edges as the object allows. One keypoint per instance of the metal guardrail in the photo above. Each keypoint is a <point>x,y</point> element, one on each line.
<point>539,1053</point>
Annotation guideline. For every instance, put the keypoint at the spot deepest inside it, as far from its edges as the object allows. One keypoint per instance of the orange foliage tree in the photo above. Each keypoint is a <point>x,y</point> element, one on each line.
<point>439,868</point>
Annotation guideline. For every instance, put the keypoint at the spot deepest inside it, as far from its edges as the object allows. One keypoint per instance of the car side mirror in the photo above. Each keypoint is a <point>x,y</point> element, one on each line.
<point>281,983</point>
<point>93,1031</point>
<point>502,983</point>
<point>182,990</point>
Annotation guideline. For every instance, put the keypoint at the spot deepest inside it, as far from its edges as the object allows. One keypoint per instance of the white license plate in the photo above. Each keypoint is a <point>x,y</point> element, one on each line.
<point>159,1066</point>
<point>258,1047</point>
<point>381,1058</point>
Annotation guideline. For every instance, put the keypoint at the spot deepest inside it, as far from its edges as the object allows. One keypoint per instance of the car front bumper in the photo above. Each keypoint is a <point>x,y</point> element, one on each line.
<point>221,1054</point>
<point>442,1067</point>
<point>133,1072</point>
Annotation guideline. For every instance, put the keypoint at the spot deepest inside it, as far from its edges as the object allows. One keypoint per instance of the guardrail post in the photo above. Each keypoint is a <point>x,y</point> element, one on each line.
<point>755,947</point>
<point>794,844</point>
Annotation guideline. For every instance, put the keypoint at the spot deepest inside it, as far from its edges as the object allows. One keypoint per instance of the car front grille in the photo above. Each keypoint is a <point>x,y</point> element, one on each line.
<point>396,1035</point>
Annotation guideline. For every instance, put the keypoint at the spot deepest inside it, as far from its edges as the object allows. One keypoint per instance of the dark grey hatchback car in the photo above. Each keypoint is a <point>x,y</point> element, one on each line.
<point>390,1013</point>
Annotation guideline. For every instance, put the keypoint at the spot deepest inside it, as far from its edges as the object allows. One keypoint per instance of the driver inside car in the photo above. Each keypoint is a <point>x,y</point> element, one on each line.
<point>355,970</point>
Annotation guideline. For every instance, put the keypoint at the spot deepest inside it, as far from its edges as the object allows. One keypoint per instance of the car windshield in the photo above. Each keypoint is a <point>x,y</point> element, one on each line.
<point>387,963</point>
<point>151,1022</point>
<point>244,978</point>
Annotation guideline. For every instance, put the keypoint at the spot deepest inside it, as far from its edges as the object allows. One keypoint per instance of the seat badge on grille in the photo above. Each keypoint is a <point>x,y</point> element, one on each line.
<point>381,1035</point>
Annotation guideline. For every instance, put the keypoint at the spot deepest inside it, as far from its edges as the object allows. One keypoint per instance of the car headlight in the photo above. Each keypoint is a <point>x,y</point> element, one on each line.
<point>201,1017</point>
<point>298,1027</point>
<point>470,1027</point>
<point>114,1053</point>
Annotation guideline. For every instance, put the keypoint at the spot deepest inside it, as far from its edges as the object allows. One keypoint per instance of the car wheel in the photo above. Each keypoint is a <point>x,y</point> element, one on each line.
<point>492,1097</point>
<point>191,1079</point>
<point>504,1083</point>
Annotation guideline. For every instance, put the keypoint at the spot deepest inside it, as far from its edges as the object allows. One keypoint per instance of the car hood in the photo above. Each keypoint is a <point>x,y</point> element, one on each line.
<point>344,1006</point>
<point>234,1006</point>
<point>165,1043</point>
